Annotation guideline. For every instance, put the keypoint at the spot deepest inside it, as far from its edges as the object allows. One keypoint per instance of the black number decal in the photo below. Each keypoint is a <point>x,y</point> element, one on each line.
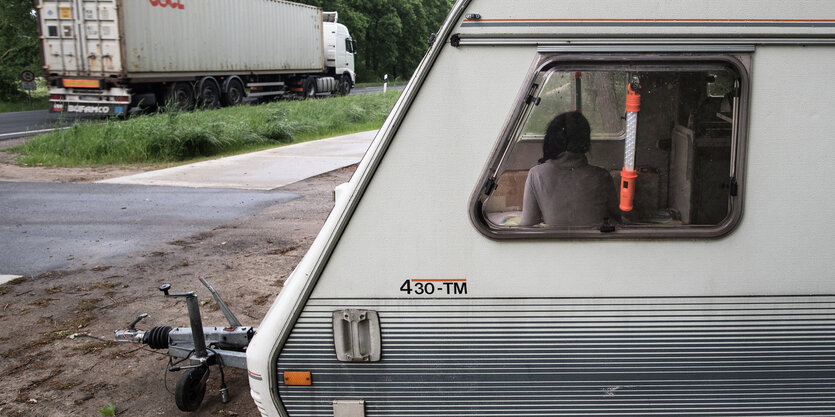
<point>443,287</point>
<point>407,286</point>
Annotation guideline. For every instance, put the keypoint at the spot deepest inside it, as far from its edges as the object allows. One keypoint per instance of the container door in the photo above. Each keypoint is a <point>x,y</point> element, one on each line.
<point>80,37</point>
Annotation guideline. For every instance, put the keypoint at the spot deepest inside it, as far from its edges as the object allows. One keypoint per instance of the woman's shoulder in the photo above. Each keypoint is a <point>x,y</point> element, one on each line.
<point>538,169</point>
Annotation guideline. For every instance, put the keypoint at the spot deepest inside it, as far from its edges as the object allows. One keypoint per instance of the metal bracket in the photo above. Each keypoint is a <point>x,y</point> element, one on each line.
<point>356,335</point>
<point>230,317</point>
<point>348,408</point>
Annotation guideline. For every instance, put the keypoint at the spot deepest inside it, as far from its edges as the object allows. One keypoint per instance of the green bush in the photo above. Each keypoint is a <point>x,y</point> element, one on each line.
<point>39,99</point>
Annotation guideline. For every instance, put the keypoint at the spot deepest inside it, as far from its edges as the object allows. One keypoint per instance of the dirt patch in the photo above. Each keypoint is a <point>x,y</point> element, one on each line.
<point>56,351</point>
<point>11,171</point>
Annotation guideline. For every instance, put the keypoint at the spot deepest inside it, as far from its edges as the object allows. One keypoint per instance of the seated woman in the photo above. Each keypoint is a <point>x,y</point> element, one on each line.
<point>564,190</point>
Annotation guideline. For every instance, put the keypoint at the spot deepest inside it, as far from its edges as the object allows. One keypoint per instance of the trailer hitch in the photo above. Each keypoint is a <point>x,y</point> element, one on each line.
<point>202,346</point>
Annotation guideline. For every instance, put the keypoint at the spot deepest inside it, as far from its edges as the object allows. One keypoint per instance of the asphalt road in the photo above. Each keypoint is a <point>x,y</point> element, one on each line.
<point>47,226</point>
<point>28,123</point>
<point>377,89</point>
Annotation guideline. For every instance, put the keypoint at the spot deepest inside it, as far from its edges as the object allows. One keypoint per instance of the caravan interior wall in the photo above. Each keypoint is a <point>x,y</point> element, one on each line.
<point>427,294</point>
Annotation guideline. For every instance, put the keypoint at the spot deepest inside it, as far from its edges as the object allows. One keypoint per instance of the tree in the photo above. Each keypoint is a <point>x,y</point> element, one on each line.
<point>392,34</point>
<point>606,100</point>
<point>19,49</point>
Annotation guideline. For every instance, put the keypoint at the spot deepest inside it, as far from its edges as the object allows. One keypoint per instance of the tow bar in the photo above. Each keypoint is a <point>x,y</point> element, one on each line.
<point>202,346</point>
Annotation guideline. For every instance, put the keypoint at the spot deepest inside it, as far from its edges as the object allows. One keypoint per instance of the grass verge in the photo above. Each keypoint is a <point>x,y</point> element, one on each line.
<point>174,136</point>
<point>38,103</point>
<point>40,100</point>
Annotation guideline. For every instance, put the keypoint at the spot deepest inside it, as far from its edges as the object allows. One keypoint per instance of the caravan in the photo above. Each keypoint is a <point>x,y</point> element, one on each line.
<point>708,291</point>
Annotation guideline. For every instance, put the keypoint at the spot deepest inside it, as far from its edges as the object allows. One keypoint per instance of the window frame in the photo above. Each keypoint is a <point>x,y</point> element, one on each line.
<point>741,63</point>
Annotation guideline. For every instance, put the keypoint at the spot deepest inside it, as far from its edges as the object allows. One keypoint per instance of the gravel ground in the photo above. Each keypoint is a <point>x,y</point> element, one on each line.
<point>57,357</point>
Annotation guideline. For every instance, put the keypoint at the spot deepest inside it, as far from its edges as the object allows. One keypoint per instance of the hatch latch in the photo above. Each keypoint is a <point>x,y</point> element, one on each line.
<point>356,335</point>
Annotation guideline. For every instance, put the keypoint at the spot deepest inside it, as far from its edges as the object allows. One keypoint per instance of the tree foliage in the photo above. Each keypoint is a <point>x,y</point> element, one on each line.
<point>392,34</point>
<point>18,45</point>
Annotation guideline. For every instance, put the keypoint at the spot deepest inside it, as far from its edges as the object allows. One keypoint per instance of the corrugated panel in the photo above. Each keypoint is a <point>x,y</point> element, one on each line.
<point>753,356</point>
<point>222,36</point>
<point>80,38</point>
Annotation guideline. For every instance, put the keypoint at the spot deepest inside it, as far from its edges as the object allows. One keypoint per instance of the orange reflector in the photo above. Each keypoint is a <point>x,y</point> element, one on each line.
<point>297,378</point>
<point>76,83</point>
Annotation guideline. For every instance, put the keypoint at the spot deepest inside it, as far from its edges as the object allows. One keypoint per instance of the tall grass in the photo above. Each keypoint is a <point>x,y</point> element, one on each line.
<point>175,136</point>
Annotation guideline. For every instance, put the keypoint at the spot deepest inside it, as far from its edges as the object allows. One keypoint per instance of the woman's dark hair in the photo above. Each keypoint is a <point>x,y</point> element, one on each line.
<point>567,132</point>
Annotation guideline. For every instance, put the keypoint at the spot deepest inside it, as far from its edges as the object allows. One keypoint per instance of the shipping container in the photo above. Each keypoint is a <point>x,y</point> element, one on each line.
<point>98,54</point>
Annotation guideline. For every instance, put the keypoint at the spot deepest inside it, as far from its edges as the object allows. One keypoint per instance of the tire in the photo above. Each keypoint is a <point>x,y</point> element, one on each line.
<point>234,93</point>
<point>309,88</point>
<point>180,95</point>
<point>344,85</point>
<point>191,387</point>
<point>208,94</point>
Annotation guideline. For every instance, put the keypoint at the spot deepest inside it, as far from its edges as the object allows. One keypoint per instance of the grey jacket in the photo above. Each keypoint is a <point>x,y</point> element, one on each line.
<point>567,191</point>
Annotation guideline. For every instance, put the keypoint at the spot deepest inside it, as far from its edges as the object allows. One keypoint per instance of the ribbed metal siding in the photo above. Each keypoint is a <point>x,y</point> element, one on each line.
<point>222,36</point>
<point>757,356</point>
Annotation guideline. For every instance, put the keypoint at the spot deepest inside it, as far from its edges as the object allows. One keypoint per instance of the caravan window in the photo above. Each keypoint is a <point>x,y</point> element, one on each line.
<point>566,180</point>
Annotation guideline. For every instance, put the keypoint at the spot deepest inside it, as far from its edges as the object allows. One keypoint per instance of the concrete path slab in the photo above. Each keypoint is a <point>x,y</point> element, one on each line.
<point>6,278</point>
<point>264,170</point>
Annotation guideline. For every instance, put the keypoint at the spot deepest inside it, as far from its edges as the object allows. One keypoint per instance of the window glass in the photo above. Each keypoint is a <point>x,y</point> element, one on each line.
<point>600,95</point>
<point>554,177</point>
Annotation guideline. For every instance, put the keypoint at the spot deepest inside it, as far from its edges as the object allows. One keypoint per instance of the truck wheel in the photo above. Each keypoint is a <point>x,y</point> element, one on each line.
<point>309,88</point>
<point>208,95</point>
<point>345,85</point>
<point>180,95</point>
<point>191,387</point>
<point>234,93</point>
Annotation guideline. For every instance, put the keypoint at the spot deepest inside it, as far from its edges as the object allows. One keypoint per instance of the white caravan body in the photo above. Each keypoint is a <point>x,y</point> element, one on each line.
<point>422,297</point>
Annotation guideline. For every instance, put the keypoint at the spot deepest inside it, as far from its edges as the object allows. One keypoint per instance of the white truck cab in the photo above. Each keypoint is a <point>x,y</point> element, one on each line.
<point>339,48</point>
<point>709,293</point>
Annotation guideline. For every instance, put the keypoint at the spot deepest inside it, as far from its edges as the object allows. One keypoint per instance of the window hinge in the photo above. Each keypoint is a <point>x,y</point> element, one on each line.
<point>734,187</point>
<point>532,98</point>
<point>607,227</point>
<point>490,186</point>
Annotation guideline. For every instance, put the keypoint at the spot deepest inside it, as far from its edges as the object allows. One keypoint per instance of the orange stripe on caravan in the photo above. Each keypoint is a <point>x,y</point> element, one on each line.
<point>439,280</point>
<point>658,20</point>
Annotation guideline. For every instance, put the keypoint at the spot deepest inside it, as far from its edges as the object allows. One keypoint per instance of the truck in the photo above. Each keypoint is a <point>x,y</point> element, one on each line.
<point>711,292</point>
<point>108,56</point>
